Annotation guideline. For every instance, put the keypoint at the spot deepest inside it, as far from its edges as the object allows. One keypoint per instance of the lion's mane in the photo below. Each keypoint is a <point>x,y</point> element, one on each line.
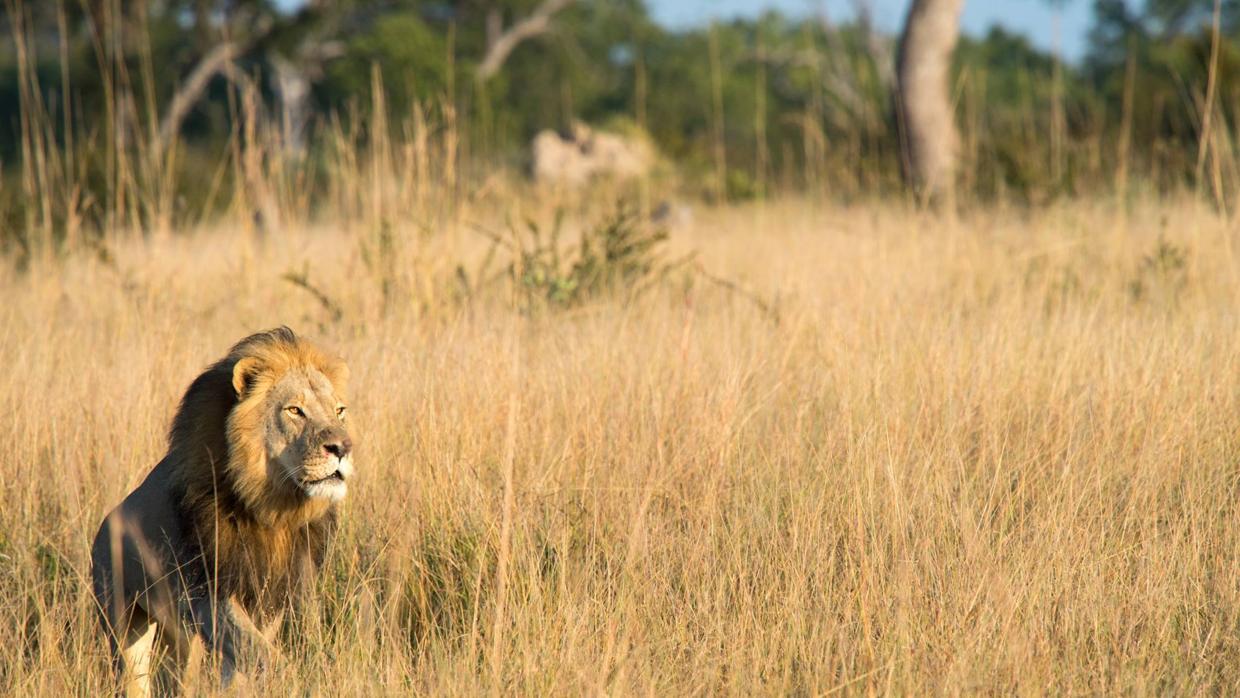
<point>260,541</point>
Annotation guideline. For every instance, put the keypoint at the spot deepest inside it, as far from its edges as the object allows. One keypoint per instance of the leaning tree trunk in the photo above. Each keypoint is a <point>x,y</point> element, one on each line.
<point>927,125</point>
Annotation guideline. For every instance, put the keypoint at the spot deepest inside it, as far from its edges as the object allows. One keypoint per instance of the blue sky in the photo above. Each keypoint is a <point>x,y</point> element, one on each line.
<point>1063,24</point>
<point>1038,19</point>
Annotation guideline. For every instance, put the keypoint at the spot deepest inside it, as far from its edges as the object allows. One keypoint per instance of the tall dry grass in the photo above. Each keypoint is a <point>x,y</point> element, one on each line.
<point>995,454</point>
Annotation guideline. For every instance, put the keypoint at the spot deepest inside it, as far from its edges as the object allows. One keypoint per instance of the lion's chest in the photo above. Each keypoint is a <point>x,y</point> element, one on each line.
<point>266,570</point>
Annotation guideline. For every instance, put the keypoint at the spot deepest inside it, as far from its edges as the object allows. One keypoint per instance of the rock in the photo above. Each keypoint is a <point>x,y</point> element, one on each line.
<point>586,154</point>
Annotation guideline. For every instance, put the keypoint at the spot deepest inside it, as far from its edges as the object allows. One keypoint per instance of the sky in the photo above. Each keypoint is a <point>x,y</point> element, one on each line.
<point>1061,25</point>
<point>1064,25</point>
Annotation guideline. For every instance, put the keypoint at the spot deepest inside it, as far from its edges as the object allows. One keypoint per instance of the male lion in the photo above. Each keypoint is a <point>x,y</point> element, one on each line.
<point>234,521</point>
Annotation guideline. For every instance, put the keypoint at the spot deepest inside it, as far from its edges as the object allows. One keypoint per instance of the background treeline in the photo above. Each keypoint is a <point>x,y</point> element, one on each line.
<point>113,110</point>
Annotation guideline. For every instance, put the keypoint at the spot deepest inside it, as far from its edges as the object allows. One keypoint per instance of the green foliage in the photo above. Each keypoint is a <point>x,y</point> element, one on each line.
<point>782,101</point>
<point>1168,43</point>
<point>412,58</point>
<point>621,255</point>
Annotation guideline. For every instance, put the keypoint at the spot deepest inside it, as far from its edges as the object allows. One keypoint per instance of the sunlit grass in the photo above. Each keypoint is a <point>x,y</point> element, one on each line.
<point>991,453</point>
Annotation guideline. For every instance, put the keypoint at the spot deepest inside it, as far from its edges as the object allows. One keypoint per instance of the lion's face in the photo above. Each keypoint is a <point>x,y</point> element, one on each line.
<point>305,437</point>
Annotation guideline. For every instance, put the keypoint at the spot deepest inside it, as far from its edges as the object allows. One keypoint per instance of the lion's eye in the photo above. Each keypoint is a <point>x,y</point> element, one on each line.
<point>295,411</point>
<point>340,411</point>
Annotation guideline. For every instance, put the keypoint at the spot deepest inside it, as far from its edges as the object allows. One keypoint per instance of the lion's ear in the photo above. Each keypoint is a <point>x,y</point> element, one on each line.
<point>244,371</point>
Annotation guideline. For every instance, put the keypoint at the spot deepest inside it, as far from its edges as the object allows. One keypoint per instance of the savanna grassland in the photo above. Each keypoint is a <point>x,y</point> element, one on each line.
<point>841,449</point>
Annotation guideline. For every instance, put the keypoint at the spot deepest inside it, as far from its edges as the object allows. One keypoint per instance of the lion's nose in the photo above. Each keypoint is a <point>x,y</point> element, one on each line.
<point>339,447</point>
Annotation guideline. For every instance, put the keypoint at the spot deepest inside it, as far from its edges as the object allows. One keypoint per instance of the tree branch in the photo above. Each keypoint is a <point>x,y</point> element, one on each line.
<point>502,46</point>
<point>189,91</point>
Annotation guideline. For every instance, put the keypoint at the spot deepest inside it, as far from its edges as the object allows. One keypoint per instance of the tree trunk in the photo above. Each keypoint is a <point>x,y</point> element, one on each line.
<point>292,87</point>
<point>927,125</point>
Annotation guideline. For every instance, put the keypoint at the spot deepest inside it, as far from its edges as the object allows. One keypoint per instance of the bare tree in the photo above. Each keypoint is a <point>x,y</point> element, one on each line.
<point>501,42</point>
<point>927,124</point>
<point>189,91</point>
<point>297,48</point>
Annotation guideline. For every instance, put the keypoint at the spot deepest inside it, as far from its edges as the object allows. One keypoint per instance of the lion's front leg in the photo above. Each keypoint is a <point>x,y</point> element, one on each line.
<point>135,654</point>
<point>229,634</point>
<point>271,630</point>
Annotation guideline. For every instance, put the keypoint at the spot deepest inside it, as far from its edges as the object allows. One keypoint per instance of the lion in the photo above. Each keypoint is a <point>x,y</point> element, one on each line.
<point>227,531</point>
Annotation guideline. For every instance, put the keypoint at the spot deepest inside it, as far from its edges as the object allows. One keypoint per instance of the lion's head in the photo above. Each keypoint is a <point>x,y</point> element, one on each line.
<point>265,430</point>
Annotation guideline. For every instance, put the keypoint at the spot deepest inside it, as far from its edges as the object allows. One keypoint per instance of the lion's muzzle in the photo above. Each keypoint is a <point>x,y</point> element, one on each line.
<point>329,476</point>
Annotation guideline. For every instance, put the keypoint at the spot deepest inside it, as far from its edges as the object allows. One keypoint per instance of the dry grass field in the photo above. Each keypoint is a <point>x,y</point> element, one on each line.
<point>881,452</point>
